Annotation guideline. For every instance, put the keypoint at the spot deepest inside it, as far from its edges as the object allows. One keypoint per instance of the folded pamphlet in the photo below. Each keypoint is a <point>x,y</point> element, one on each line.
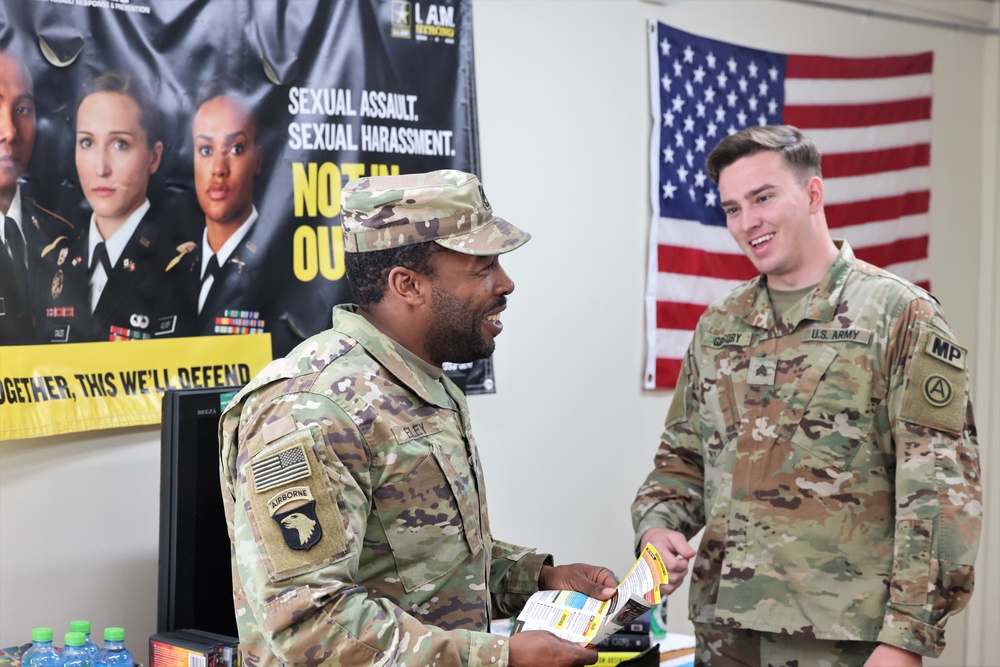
<point>582,619</point>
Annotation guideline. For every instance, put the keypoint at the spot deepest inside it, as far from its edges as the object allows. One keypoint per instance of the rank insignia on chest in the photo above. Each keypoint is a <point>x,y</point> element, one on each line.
<point>762,371</point>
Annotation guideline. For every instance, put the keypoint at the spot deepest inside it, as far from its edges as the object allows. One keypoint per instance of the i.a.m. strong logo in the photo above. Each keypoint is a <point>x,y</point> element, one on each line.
<point>423,22</point>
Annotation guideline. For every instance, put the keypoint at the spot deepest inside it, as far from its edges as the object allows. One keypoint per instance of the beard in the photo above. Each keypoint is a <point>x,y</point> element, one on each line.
<point>456,330</point>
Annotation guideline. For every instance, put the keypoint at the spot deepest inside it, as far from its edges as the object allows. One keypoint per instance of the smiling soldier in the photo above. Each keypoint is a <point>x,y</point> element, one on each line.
<point>822,434</point>
<point>352,484</point>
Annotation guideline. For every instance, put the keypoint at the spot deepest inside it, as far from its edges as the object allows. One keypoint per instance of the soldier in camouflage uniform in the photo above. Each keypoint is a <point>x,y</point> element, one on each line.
<point>822,434</point>
<point>352,486</point>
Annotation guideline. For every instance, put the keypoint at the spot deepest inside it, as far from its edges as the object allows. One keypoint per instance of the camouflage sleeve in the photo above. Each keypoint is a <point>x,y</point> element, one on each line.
<point>514,574</point>
<point>304,601</point>
<point>671,495</point>
<point>938,488</point>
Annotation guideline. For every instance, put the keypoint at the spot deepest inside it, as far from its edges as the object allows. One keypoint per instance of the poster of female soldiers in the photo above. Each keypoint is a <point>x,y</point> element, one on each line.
<point>170,175</point>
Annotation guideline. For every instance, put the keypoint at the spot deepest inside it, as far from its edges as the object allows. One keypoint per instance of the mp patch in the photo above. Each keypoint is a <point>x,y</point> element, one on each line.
<point>946,351</point>
<point>936,383</point>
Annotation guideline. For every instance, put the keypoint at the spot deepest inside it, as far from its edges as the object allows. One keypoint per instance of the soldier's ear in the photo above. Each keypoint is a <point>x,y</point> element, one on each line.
<point>814,188</point>
<point>408,286</point>
<point>154,157</point>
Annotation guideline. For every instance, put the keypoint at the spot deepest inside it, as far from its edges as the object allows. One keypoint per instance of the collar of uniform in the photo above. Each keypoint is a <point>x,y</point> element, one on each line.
<point>752,303</point>
<point>14,213</point>
<point>389,353</point>
<point>229,247</point>
<point>821,305</point>
<point>120,239</point>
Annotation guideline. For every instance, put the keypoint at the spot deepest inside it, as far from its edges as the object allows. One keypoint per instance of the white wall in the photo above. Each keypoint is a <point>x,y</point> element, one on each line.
<point>564,114</point>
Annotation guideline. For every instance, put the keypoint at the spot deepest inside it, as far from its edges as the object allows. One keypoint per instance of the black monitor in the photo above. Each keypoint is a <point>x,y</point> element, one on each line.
<point>195,576</point>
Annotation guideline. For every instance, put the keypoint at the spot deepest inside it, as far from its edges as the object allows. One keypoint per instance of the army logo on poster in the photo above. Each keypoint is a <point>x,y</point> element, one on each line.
<point>937,391</point>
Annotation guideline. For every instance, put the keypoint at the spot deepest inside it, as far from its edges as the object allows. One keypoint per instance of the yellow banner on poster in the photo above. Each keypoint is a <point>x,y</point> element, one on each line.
<point>53,389</point>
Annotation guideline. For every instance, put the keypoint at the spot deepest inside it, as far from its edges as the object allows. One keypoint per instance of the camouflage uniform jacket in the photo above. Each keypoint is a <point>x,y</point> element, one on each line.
<point>831,457</point>
<point>354,498</point>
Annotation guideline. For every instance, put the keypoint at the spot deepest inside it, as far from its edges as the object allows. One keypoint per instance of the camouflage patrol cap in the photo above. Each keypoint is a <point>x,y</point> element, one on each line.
<point>446,206</point>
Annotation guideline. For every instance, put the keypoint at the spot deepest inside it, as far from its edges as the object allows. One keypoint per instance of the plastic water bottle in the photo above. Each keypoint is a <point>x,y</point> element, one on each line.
<point>114,653</point>
<point>41,653</point>
<point>84,627</point>
<point>74,653</point>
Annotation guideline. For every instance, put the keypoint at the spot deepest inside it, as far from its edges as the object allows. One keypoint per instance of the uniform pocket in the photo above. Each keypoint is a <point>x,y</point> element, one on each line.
<point>423,522</point>
<point>830,413</point>
<point>911,566</point>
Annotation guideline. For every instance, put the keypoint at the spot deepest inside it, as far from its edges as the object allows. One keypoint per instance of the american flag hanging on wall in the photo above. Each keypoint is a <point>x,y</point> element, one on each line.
<point>870,118</point>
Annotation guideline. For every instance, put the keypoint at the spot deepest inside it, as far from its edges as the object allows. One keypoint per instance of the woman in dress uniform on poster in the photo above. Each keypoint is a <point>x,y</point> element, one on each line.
<point>119,277</point>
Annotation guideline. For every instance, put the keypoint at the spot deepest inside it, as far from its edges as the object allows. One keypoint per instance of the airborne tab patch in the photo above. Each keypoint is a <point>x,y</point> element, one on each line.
<point>946,351</point>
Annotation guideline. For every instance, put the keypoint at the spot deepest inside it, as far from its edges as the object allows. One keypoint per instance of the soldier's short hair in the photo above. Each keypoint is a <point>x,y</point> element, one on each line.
<point>368,272</point>
<point>798,150</point>
<point>125,83</point>
<point>219,87</point>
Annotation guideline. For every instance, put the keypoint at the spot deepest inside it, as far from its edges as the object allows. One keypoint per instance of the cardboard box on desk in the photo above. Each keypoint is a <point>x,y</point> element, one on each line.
<point>180,649</point>
<point>228,646</point>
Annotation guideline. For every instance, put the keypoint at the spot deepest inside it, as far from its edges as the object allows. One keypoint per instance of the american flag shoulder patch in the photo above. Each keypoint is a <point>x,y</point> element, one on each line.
<point>279,468</point>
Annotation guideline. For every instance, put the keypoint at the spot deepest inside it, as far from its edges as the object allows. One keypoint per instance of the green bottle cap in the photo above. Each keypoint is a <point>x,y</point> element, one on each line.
<point>41,634</point>
<point>114,634</point>
<point>75,639</point>
<point>80,626</point>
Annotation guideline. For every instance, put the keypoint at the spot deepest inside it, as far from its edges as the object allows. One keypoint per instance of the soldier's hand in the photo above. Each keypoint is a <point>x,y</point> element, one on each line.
<point>886,655</point>
<point>539,648</point>
<point>597,582</point>
<point>676,554</point>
